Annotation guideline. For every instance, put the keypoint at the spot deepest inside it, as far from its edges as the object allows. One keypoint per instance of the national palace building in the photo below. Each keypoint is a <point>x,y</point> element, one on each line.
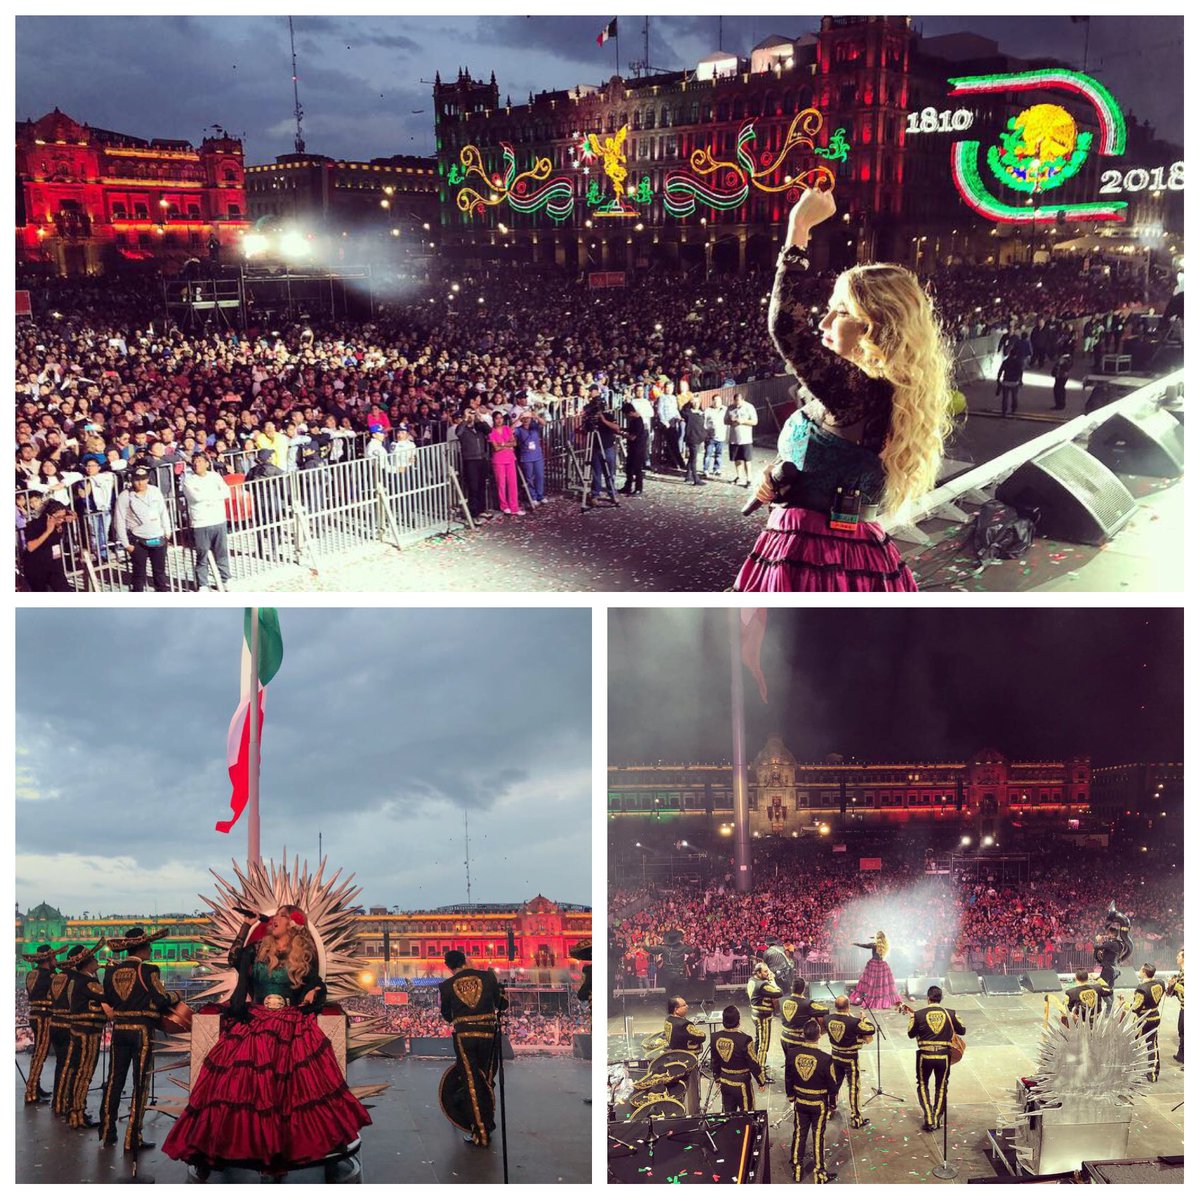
<point>791,798</point>
<point>409,944</point>
<point>687,187</point>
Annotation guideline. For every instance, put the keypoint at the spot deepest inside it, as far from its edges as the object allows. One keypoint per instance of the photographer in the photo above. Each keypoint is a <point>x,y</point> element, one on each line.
<point>43,562</point>
<point>602,432</point>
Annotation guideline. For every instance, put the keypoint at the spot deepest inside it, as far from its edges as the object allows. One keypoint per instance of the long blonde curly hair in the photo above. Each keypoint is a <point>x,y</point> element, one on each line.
<point>904,344</point>
<point>299,954</point>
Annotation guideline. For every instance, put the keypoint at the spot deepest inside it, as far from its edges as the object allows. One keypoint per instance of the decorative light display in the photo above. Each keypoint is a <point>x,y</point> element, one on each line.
<point>723,184</point>
<point>929,120</point>
<point>719,184</point>
<point>1040,148</point>
<point>531,191</point>
<point>1138,179</point>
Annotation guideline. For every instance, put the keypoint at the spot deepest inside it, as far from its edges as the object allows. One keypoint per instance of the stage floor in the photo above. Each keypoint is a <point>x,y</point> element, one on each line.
<point>1002,1036</point>
<point>549,1131</point>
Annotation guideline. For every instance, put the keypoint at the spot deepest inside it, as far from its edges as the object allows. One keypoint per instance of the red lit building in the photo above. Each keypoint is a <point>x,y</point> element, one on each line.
<point>790,798</point>
<point>543,931</point>
<point>88,199</point>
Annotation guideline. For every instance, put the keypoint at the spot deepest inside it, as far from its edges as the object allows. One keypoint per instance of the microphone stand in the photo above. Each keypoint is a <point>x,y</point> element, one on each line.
<point>944,1170</point>
<point>881,1037</point>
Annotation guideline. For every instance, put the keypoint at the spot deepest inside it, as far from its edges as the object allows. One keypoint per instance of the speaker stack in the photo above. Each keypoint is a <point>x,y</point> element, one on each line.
<point>962,983</point>
<point>1001,985</point>
<point>1042,981</point>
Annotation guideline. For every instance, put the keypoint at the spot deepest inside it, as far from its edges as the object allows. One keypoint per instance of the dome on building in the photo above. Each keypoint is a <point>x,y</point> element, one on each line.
<point>44,912</point>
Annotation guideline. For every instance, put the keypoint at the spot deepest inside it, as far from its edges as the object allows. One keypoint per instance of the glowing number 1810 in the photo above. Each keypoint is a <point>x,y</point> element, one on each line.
<point>929,120</point>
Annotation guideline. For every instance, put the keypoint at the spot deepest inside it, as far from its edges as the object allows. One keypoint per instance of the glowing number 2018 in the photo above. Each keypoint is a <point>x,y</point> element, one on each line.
<point>1138,179</point>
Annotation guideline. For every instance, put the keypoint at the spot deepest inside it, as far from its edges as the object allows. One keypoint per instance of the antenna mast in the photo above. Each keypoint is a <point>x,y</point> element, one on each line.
<point>467,851</point>
<point>298,112</point>
<point>643,67</point>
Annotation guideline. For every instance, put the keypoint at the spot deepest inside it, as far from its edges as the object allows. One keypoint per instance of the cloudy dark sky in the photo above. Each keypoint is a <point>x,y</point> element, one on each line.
<point>361,78</point>
<point>382,727</point>
<point>897,684</point>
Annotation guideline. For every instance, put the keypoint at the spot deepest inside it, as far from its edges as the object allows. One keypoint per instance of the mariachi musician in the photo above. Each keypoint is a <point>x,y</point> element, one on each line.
<point>798,1009</point>
<point>38,985</point>
<point>1175,988</point>
<point>765,993</point>
<point>472,1002</point>
<point>1087,995</point>
<point>680,1033</point>
<point>85,1003</point>
<point>672,968</point>
<point>60,1034</point>
<point>735,1063</point>
<point>1144,1004</point>
<point>934,1027</point>
<point>808,1084</point>
<point>136,1001</point>
<point>1118,924</point>
<point>1106,953</point>
<point>848,1034</point>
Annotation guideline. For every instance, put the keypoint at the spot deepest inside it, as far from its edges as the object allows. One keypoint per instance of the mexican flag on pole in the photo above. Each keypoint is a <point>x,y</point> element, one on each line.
<point>270,655</point>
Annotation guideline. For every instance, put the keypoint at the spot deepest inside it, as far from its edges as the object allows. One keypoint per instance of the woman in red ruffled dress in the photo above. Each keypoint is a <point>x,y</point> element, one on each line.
<point>876,988</point>
<point>270,1093</point>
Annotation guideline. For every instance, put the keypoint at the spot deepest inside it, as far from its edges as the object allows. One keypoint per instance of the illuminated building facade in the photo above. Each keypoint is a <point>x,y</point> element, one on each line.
<point>335,196</point>
<point>1150,790</point>
<point>889,126</point>
<point>90,198</point>
<point>410,945</point>
<point>788,798</point>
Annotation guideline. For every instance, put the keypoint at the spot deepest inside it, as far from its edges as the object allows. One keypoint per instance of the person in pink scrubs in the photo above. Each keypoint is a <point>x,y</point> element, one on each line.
<point>504,464</point>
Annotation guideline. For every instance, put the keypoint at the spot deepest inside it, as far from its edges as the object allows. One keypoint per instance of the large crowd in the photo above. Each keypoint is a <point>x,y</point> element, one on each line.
<point>104,383</point>
<point>823,904</point>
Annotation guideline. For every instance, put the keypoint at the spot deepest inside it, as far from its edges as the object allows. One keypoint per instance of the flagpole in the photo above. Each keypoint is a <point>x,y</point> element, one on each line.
<point>743,868</point>
<point>253,857</point>
<point>617,45</point>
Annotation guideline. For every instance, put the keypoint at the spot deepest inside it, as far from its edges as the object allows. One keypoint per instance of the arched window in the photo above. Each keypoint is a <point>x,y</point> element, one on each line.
<point>235,210</point>
<point>230,175</point>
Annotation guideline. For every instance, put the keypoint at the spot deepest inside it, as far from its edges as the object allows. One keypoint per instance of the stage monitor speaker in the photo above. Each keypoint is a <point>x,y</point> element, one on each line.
<point>962,983</point>
<point>1042,981</point>
<point>1078,498</point>
<point>1002,985</point>
<point>581,1046</point>
<point>1150,443</point>
<point>918,985</point>
<point>678,1148</point>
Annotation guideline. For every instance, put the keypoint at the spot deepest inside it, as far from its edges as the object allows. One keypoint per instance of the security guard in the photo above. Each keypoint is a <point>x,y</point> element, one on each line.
<point>1175,988</point>
<point>87,1029</point>
<point>1088,994</point>
<point>37,985</point>
<point>1144,1002</point>
<point>471,1002</point>
<point>60,1032</point>
<point>848,1034</point>
<point>735,1063</point>
<point>680,1033</point>
<point>797,1011</point>
<point>133,990</point>
<point>765,994</point>
<point>808,1082</point>
<point>933,1027</point>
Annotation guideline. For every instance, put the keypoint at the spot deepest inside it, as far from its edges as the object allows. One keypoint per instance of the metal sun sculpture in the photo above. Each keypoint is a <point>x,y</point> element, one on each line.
<point>326,903</point>
<point>1087,1071</point>
<point>1040,148</point>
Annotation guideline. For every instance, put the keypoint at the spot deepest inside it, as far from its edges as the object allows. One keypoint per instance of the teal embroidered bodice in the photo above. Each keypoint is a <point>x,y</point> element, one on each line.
<point>269,981</point>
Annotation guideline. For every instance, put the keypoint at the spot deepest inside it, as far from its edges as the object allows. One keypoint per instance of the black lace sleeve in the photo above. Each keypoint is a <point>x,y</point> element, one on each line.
<point>844,390</point>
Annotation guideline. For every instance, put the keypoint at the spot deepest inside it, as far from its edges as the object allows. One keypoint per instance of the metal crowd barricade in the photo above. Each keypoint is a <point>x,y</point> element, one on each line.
<point>297,519</point>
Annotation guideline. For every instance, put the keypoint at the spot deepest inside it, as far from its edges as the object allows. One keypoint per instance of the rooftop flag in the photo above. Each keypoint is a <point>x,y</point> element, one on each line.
<point>238,748</point>
<point>609,31</point>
